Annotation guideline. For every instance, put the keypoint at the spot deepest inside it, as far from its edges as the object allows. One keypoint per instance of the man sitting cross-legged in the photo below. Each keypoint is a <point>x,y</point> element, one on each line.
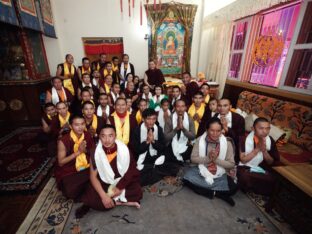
<point>113,175</point>
<point>73,153</point>
<point>148,143</point>
<point>258,153</point>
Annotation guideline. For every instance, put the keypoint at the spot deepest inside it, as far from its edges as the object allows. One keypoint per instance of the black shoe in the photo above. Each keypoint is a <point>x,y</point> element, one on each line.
<point>225,198</point>
<point>81,211</point>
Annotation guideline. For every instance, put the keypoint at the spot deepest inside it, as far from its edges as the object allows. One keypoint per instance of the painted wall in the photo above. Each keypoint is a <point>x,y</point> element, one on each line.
<point>75,19</point>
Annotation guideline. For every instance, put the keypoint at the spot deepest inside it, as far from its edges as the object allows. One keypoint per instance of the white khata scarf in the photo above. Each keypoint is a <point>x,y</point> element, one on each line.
<point>203,170</point>
<point>179,146</point>
<point>55,96</point>
<point>143,132</point>
<point>228,119</point>
<point>122,70</point>
<point>249,146</point>
<point>105,170</point>
<point>161,119</point>
<point>99,111</point>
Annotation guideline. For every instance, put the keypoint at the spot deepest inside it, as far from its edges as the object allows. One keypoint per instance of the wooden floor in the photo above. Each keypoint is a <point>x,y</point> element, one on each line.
<point>14,207</point>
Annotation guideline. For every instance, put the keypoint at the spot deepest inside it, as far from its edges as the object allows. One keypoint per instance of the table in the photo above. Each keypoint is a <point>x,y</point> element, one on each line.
<point>292,197</point>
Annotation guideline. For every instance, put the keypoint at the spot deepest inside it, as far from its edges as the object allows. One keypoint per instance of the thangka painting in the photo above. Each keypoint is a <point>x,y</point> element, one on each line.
<point>28,6</point>
<point>170,45</point>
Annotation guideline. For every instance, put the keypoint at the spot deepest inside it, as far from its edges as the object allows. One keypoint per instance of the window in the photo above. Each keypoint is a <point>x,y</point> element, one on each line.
<point>239,36</point>
<point>279,23</point>
<point>298,76</point>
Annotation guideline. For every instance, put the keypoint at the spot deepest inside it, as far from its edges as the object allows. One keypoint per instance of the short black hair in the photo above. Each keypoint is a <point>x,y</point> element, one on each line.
<point>148,112</point>
<point>84,59</point>
<point>179,100</point>
<point>151,60</point>
<point>56,78</point>
<point>198,93</point>
<point>186,73</point>
<point>102,54</point>
<point>108,63</point>
<point>176,87</point>
<point>164,100</point>
<point>87,103</point>
<point>120,98</point>
<point>85,74</point>
<point>212,121</point>
<point>212,99</point>
<point>105,126</point>
<point>124,55</point>
<point>48,104</point>
<point>142,100</point>
<point>60,102</point>
<point>114,58</point>
<point>205,84</point>
<point>67,55</point>
<point>103,94</point>
<point>129,75</point>
<point>260,120</point>
<point>75,116</point>
<point>85,89</point>
<point>158,86</point>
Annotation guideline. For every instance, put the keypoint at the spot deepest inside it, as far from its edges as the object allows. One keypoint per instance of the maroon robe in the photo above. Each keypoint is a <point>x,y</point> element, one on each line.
<point>74,79</point>
<point>69,96</point>
<point>130,181</point>
<point>100,123</point>
<point>95,63</point>
<point>203,123</point>
<point>70,181</point>
<point>155,77</point>
<point>257,182</point>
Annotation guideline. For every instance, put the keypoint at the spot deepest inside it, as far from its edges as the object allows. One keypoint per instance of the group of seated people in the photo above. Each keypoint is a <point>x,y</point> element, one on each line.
<point>115,133</point>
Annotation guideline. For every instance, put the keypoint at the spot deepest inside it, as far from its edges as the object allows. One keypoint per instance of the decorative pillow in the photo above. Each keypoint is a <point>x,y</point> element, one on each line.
<point>249,120</point>
<point>276,133</point>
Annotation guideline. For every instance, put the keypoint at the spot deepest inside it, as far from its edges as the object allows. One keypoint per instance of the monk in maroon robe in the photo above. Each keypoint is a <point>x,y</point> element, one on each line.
<point>258,149</point>
<point>191,87</point>
<point>153,76</point>
<point>111,185</point>
<point>73,159</point>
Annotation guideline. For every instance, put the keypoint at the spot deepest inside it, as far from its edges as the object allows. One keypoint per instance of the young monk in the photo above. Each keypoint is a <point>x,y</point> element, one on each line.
<point>130,92</point>
<point>153,76</point>
<point>96,79</point>
<point>68,73</point>
<point>114,94</point>
<point>49,114</point>
<point>114,178</point>
<point>205,88</point>
<point>148,142</point>
<point>100,63</point>
<point>164,113</point>
<point>138,114</point>
<point>197,109</point>
<point>73,153</point>
<point>106,84</point>
<point>104,110</point>
<point>86,82</point>
<point>176,95</point>
<point>58,93</point>
<point>214,155</point>
<point>213,105</point>
<point>146,94</point>
<point>191,87</point>
<point>108,70</point>
<point>85,68</point>
<point>258,153</point>
<point>60,124</point>
<point>94,123</point>
<point>122,120</point>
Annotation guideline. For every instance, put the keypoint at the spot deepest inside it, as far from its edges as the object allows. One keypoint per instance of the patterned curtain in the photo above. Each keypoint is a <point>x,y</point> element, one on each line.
<point>155,17</point>
<point>186,15</point>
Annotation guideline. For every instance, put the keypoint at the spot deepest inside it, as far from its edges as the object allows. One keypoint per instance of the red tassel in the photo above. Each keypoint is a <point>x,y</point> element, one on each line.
<point>141,19</point>
<point>121,6</point>
<point>154,4</point>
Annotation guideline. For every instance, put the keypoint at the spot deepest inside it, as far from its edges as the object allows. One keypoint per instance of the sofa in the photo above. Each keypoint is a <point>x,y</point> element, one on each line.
<point>295,120</point>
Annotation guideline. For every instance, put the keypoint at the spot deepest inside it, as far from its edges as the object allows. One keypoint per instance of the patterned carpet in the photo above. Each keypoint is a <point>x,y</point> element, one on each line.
<point>24,163</point>
<point>178,213</point>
